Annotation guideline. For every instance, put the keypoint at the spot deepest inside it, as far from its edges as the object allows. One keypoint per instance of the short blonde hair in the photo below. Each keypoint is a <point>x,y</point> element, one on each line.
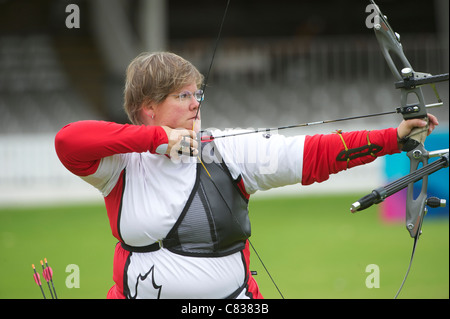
<point>151,77</point>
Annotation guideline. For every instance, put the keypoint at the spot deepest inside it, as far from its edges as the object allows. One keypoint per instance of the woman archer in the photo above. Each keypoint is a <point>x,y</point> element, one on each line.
<point>178,203</point>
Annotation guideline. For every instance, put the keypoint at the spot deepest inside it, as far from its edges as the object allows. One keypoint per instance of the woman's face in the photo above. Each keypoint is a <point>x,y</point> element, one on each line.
<point>176,112</point>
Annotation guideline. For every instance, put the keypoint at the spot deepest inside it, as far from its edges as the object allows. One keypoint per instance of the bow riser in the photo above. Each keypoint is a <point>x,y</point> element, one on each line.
<point>402,70</point>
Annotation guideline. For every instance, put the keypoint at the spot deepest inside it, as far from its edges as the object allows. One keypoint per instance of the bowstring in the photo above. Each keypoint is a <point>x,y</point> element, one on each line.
<point>416,238</point>
<point>219,35</point>
<point>204,86</point>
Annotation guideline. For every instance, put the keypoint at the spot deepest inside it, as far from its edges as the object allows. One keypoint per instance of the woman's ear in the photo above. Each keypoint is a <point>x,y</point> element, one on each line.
<point>147,113</point>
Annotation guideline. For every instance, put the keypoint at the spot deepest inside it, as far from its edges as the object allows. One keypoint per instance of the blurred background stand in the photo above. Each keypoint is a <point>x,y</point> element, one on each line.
<point>277,64</point>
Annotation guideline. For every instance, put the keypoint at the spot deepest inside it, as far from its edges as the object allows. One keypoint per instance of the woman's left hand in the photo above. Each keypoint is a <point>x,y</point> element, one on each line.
<point>406,126</point>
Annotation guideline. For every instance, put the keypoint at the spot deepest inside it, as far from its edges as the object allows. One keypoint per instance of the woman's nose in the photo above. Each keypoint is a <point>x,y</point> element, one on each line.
<point>194,104</point>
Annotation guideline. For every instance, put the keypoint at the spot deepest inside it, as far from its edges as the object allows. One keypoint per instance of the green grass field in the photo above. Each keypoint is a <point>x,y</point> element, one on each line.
<point>313,248</point>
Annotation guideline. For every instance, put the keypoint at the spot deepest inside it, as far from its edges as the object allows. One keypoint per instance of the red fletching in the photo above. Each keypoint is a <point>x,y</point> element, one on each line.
<point>47,273</point>
<point>36,276</point>
<point>207,138</point>
<point>37,279</point>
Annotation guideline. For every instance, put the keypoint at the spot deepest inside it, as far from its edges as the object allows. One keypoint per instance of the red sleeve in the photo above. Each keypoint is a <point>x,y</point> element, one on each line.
<point>81,145</point>
<point>321,151</point>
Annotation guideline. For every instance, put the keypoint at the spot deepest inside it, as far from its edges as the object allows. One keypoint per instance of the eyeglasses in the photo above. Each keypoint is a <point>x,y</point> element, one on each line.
<point>183,96</point>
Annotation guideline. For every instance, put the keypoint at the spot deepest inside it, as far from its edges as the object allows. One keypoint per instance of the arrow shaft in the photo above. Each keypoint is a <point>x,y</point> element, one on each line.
<point>46,277</point>
<point>37,279</point>
<point>306,124</point>
<point>356,117</point>
<point>50,275</point>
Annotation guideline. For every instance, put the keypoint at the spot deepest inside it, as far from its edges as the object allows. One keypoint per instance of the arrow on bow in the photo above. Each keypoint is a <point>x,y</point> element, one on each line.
<point>400,110</point>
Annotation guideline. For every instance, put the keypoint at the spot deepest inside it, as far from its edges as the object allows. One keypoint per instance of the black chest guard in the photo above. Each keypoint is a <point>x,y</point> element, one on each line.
<point>214,221</point>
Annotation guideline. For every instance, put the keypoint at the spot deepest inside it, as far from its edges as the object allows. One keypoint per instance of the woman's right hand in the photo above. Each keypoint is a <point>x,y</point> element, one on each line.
<point>181,142</point>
